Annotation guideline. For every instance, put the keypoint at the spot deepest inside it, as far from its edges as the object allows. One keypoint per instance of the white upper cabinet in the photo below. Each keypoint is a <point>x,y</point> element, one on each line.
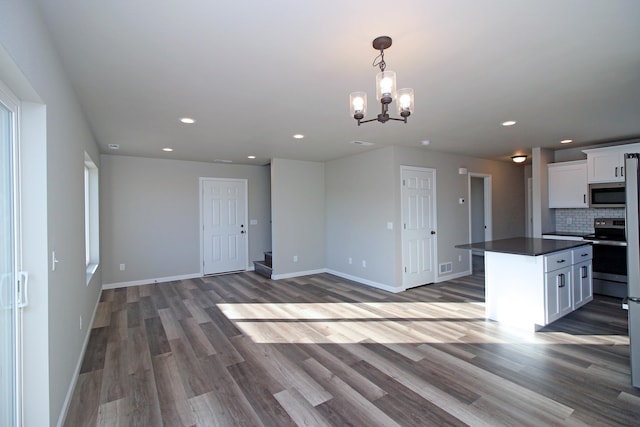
<point>568,185</point>
<point>607,164</point>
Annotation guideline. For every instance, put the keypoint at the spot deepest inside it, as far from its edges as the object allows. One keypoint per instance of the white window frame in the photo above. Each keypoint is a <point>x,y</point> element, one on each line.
<point>91,217</point>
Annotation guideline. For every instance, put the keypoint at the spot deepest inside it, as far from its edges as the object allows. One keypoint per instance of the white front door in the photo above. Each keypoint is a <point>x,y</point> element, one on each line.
<point>224,225</point>
<point>418,226</point>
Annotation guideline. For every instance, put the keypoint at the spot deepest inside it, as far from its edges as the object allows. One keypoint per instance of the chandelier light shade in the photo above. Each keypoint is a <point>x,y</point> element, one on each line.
<point>358,104</point>
<point>386,91</point>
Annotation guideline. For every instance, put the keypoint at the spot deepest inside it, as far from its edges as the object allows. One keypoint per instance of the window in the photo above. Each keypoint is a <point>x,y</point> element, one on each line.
<point>91,219</point>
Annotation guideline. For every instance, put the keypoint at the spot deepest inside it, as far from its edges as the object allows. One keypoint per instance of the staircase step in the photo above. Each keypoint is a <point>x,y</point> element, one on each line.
<point>262,269</point>
<point>268,258</point>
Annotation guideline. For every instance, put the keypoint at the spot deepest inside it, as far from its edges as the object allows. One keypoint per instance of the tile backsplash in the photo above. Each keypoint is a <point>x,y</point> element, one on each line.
<point>581,220</point>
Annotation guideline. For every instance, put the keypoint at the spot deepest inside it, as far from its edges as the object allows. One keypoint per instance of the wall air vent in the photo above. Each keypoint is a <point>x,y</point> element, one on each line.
<point>363,143</point>
<point>445,267</point>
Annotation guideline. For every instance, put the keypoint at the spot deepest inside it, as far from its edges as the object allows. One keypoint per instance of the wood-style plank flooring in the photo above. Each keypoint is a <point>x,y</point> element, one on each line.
<point>320,350</point>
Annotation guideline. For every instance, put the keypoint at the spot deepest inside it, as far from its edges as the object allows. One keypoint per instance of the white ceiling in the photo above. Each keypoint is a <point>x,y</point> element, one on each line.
<point>253,73</point>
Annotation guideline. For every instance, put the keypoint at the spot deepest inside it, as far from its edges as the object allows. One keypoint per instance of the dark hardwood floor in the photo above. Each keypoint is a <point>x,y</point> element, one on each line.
<point>320,350</point>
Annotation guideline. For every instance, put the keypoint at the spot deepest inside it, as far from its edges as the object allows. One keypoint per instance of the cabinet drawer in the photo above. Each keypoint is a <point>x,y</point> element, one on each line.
<point>557,260</point>
<point>583,253</point>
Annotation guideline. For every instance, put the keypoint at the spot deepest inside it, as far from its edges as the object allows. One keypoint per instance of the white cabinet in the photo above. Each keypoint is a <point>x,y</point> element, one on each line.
<point>582,276</point>
<point>606,164</point>
<point>532,291</point>
<point>558,284</point>
<point>568,184</point>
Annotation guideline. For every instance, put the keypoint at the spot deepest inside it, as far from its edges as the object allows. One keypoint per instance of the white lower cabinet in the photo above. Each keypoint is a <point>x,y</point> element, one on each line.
<point>558,284</point>
<point>532,291</point>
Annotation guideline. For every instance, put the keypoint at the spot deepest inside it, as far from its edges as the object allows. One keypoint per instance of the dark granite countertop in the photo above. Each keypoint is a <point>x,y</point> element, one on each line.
<point>524,246</point>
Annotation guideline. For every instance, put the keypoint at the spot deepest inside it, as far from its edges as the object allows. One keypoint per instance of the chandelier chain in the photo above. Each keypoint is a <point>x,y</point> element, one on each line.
<point>378,61</point>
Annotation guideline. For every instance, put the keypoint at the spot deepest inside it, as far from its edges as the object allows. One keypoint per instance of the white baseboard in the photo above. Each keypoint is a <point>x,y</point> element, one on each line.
<point>366,282</point>
<point>150,281</point>
<point>76,373</point>
<point>452,276</point>
<point>297,274</point>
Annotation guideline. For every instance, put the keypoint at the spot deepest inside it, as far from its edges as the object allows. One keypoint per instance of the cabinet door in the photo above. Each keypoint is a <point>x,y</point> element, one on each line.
<point>568,185</point>
<point>606,166</point>
<point>558,295</point>
<point>582,284</point>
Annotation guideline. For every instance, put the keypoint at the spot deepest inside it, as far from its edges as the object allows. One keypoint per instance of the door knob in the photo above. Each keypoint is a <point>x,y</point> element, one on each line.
<point>433,232</point>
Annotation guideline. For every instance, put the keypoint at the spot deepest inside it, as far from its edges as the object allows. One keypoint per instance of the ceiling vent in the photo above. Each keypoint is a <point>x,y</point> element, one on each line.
<point>114,146</point>
<point>364,143</point>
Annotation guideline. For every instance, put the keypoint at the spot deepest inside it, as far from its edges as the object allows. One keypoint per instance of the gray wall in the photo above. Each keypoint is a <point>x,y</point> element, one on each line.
<point>543,218</point>
<point>360,201</point>
<point>476,199</point>
<point>297,210</point>
<point>150,215</point>
<point>507,208</point>
<point>55,137</point>
<point>363,194</point>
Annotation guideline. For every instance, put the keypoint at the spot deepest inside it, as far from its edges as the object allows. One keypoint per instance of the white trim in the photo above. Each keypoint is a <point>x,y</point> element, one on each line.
<point>297,274</point>
<point>76,373</point>
<point>452,276</point>
<point>150,281</point>
<point>371,283</point>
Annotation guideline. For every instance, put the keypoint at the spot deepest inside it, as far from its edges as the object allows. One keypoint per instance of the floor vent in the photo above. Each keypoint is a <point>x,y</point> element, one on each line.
<point>446,267</point>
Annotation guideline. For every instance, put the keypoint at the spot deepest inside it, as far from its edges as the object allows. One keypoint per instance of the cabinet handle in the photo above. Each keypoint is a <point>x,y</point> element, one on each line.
<point>560,261</point>
<point>585,254</point>
<point>584,198</point>
<point>561,284</point>
<point>621,170</point>
<point>584,271</point>
<point>616,172</point>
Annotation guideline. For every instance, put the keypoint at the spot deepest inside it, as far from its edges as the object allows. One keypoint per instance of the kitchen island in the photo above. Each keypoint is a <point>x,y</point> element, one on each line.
<point>531,282</point>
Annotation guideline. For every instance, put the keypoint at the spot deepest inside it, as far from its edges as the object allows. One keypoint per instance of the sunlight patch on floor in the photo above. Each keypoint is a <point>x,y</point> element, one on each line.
<point>388,323</point>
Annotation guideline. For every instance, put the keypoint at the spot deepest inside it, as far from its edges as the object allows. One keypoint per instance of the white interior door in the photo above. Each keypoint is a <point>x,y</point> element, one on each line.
<point>224,225</point>
<point>418,226</point>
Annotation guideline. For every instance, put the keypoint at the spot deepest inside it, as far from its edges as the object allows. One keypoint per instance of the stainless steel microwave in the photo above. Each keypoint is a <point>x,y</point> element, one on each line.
<point>607,195</point>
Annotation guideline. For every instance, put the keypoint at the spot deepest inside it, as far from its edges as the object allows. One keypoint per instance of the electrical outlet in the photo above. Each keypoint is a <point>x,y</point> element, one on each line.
<point>459,258</point>
<point>122,267</point>
<point>295,258</point>
<point>364,263</point>
<point>80,322</point>
<point>350,260</point>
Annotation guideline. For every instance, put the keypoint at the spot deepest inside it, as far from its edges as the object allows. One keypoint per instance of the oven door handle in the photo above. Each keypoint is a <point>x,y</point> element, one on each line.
<point>607,242</point>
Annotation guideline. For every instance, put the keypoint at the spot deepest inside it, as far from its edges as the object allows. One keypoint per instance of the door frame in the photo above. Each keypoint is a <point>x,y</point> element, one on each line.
<point>245,183</point>
<point>434,215</point>
<point>12,103</point>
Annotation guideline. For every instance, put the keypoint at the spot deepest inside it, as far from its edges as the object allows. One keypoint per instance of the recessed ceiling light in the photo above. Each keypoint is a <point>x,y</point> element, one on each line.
<point>167,149</point>
<point>187,120</point>
<point>298,136</point>
<point>425,142</point>
<point>566,141</point>
<point>509,123</point>
<point>222,161</point>
<point>251,157</point>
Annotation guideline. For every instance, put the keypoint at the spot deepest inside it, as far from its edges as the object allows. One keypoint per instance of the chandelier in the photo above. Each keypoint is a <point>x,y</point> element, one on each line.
<point>385,91</point>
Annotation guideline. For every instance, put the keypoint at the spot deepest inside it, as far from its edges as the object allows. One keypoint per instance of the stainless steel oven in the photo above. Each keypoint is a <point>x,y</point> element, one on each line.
<point>609,257</point>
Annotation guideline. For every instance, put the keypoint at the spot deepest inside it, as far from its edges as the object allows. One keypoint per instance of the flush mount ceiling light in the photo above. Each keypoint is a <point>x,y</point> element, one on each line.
<point>520,158</point>
<point>385,91</point>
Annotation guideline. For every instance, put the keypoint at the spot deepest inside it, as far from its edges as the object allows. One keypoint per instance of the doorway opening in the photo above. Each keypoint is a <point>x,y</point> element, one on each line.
<point>480,223</point>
